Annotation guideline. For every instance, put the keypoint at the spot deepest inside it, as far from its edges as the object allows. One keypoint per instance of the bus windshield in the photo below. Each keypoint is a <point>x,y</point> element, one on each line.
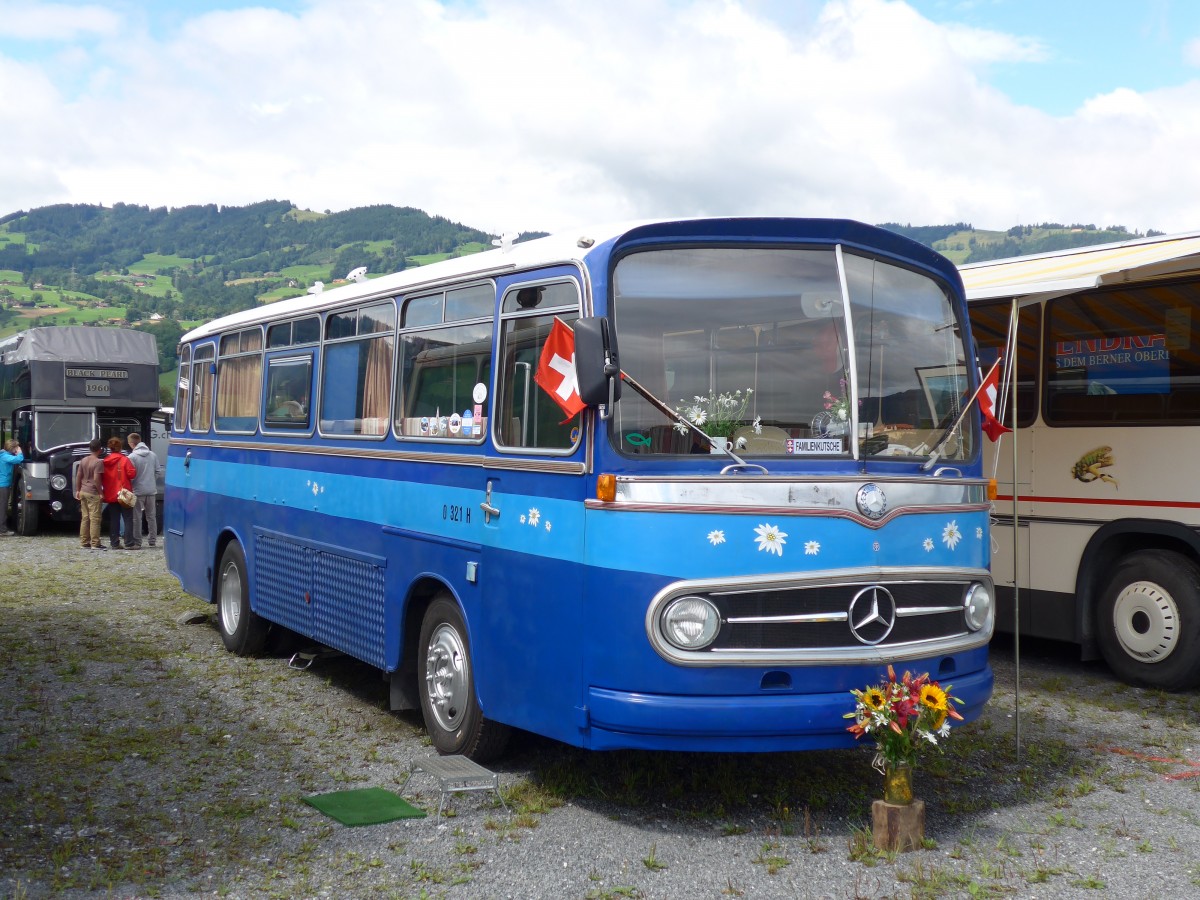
<point>754,345</point>
<point>57,429</point>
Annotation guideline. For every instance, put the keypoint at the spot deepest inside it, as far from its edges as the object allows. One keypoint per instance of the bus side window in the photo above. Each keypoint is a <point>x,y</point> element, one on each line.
<point>181,394</point>
<point>288,382</point>
<point>439,370</point>
<point>204,374</point>
<point>528,417</point>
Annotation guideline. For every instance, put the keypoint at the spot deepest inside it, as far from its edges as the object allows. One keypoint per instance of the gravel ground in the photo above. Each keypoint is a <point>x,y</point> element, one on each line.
<point>138,758</point>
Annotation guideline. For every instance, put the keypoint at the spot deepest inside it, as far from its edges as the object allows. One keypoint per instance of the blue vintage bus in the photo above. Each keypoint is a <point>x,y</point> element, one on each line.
<point>791,499</point>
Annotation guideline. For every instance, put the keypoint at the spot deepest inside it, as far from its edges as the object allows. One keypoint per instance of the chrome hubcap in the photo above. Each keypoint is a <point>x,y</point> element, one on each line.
<point>447,677</point>
<point>231,598</point>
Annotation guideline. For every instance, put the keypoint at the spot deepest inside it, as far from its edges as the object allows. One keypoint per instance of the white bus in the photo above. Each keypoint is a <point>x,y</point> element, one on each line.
<point>1107,487</point>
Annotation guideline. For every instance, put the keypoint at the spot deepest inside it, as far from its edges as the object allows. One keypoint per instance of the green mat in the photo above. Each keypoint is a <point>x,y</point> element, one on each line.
<point>365,806</point>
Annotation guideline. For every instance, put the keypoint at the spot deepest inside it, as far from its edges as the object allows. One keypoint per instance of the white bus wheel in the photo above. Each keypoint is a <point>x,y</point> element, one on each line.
<point>242,631</point>
<point>453,717</point>
<point>1148,620</point>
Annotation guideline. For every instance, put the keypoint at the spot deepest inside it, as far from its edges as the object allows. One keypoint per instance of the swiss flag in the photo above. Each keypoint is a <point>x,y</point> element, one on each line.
<point>988,395</point>
<point>556,369</point>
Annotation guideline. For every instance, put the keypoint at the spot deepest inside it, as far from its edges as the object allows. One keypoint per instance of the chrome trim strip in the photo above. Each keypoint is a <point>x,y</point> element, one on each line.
<point>791,620</point>
<point>882,653</point>
<point>548,466</point>
<point>830,578</point>
<point>477,460</point>
<point>825,496</point>
<point>784,511</point>
<point>801,656</point>
<point>926,610</point>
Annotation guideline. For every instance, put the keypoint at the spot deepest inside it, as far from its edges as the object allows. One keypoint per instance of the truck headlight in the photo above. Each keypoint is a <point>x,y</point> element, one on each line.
<point>59,482</point>
<point>690,623</point>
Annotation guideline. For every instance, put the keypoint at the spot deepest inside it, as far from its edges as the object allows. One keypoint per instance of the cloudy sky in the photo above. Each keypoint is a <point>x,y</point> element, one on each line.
<point>512,115</point>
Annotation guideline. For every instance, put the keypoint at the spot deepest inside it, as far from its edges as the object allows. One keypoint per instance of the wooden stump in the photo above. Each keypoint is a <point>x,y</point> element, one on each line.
<point>898,827</point>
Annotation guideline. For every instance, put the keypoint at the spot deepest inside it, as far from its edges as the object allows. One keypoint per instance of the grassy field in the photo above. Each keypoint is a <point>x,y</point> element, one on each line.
<point>153,262</point>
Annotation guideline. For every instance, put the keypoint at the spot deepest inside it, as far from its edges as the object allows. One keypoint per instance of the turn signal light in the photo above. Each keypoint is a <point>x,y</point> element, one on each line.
<point>992,489</point>
<point>606,488</point>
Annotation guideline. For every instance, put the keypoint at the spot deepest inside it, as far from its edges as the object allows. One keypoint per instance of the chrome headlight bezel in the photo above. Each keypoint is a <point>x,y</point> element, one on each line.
<point>58,482</point>
<point>690,622</point>
<point>979,607</point>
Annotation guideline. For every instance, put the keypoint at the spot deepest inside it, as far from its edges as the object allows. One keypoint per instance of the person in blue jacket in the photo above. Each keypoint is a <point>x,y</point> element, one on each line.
<point>10,456</point>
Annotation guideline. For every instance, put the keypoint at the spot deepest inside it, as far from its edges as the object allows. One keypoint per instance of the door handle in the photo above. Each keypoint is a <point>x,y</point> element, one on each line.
<point>486,506</point>
<point>187,460</point>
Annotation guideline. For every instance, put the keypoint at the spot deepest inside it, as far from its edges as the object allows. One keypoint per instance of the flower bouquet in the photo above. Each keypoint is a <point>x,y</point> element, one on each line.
<point>717,415</point>
<point>834,418</point>
<point>838,407</point>
<point>903,716</point>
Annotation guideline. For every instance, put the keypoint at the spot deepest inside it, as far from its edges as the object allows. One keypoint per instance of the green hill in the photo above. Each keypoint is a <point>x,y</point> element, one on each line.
<point>961,243</point>
<point>165,270</point>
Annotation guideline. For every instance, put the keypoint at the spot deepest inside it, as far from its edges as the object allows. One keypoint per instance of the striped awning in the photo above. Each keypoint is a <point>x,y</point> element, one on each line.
<point>1079,268</point>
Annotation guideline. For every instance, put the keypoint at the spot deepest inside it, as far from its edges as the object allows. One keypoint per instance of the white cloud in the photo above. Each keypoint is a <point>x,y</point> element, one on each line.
<point>537,114</point>
<point>1191,52</point>
<point>57,22</point>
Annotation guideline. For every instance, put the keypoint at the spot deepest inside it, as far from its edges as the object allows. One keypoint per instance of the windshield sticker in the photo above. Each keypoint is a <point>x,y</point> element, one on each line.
<point>814,445</point>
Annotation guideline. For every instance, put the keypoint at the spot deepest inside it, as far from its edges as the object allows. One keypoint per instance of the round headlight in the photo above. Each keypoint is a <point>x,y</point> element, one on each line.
<point>977,608</point>
<point>59,482</point>
<point>690,623</point>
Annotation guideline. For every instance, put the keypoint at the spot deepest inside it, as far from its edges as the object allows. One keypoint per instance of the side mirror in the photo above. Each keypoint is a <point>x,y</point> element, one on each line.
<point>597,370</point>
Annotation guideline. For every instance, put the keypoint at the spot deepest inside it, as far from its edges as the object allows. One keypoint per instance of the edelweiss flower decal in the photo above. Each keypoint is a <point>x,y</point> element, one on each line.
<point>716,537</point>
<point>951,535</point>
<point>812,548</point>
<point>979,533</point>
<point>534,516</point>
<point>927,544</point>
<point>770,538</point>
<point>316,488</point>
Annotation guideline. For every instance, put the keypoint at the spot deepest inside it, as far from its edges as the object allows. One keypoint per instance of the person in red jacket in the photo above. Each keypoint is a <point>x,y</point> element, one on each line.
<point>118,473</point>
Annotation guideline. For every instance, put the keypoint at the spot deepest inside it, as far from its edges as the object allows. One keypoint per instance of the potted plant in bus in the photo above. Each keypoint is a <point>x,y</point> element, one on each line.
<point>718,415</point>
<point>905,716</point>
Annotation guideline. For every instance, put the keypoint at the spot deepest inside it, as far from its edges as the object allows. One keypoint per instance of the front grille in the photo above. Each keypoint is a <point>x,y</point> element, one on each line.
<point>927,610</point>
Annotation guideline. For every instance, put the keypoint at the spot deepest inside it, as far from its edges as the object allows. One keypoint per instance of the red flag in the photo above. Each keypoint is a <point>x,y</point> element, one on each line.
<point>556,369</point>
<point>988,395</point>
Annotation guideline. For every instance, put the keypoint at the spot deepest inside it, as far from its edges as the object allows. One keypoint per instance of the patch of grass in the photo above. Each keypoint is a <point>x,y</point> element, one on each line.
<point>651,860</point>
<point>772,856</point>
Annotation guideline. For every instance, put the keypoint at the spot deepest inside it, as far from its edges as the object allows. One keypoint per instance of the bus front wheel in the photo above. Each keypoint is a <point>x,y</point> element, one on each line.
<point>1149,620</point>
<point>243,632</point>
<point>453,717</point>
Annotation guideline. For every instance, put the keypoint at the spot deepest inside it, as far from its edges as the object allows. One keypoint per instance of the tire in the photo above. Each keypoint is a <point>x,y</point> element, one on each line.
<point>243,632</point>
<point>1148,620</point>
<point>26,511</point>
<point>453,717</point>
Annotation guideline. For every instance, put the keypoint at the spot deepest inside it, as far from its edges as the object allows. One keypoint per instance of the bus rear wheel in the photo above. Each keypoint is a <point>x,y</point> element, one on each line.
<point>242,631</point>
<point>26,511</point>
<point>1148,621</point>
<point>453,717</point>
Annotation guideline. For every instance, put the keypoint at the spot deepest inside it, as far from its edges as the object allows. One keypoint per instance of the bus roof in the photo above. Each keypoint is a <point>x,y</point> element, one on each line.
<point>80,343</point>
<point>572,247</point>
<point>565,247</point>
<point>1079,268</point>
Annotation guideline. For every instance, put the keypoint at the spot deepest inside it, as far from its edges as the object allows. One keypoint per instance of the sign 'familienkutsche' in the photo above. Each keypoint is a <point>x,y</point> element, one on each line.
<point>97,373</point>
